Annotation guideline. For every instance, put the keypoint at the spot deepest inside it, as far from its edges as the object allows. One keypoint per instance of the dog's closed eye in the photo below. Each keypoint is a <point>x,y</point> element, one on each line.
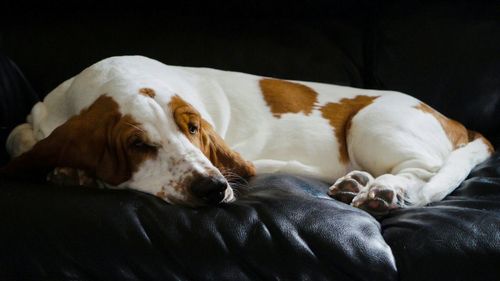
<point>139,143</point>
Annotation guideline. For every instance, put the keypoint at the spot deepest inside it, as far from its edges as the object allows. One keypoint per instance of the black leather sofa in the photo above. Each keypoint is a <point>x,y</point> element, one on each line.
<point>446,53</point>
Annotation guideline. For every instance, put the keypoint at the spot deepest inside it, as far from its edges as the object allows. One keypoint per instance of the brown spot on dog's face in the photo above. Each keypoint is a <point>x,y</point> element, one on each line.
<point>287,97</point>
<point>100,140</point>
<point>456,132</point>
<point>147,92</point>
<point>339,115</point>
<point>203,136</point>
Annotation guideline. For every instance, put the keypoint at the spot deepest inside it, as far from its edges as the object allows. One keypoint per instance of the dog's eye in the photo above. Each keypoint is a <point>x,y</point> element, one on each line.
<point>193,128</point>
<point>139,144</point>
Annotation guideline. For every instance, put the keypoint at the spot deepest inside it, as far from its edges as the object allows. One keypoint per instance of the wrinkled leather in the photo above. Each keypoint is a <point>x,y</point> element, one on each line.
<point>455,239</point>
<point>282,227</point>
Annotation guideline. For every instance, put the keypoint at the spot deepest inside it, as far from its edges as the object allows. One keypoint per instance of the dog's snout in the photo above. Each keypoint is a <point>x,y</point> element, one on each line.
<point>210,190</point>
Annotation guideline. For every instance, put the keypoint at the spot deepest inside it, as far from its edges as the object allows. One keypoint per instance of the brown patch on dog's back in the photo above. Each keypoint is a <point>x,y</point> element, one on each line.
<point>340,115</point>
<point>148,92</point>
<point>456,132</point>
<point>287,97</point>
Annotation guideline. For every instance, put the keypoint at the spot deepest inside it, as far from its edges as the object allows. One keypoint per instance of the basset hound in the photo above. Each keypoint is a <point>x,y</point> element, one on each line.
<point>184,133</point>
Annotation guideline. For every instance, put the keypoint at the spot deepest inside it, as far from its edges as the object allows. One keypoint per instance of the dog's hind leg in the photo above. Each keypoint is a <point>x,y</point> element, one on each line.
<point>412,186</point>
<point>408,147</point>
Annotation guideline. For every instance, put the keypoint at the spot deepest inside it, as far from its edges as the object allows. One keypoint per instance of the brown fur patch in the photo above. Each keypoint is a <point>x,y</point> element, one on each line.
<point>456,132</point>
<point>97,141</point>
<point>491,149</point>
<point>473,135</point>
<point>207,140</point>
<point>340,115</point>
<point>147,92</point>
<point>288,97</point>
<point>183,185</point>
<point>161,194</point>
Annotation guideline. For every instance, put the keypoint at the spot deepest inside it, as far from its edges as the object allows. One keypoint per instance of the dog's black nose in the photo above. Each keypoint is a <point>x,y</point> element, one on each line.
<point>211,190</point>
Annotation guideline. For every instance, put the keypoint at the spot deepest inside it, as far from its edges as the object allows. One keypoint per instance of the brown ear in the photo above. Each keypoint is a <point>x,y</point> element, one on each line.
<point>78,143</point>
<point>209,142</point>
<point>45,155</point>
<point>35,162</point>
<point>221,155</point>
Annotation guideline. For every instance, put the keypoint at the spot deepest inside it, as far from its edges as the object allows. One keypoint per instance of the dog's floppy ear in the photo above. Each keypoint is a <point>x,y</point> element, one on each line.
<point>61,148</point>
<point>35,162</point>
<point>221,155</point>
<point>78,143</point>
<point>208,141</point>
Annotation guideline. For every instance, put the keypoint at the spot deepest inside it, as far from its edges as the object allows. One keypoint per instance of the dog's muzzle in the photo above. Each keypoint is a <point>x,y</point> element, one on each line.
<point>210,190</point>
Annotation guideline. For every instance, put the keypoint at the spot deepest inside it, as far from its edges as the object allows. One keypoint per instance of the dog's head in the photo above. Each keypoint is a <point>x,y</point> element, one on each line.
<point>135,142</point>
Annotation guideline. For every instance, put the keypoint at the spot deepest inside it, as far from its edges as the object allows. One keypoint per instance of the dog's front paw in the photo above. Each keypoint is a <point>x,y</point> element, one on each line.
<point>378,199</point>
<point>349,186</point>
<point>70,177</point>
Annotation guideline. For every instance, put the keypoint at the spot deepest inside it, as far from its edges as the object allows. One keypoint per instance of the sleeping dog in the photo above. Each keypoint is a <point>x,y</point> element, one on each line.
<point>180,133</point>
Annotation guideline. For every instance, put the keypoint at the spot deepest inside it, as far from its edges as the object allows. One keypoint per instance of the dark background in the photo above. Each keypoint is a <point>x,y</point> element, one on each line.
<point>446,53</point>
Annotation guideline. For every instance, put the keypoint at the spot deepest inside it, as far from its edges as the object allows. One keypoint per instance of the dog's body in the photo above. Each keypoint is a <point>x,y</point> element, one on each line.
<point>395,150</point>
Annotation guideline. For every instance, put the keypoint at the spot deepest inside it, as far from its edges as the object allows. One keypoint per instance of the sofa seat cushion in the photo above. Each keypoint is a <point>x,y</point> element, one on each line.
<point>455,239</point>
<point>282,227</point>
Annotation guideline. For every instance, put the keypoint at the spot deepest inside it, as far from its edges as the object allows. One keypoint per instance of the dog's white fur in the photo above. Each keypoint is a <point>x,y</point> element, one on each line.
<point>405,149</point>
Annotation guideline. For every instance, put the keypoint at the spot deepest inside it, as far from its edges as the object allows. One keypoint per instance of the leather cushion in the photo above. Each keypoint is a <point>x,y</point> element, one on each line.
<point>455,239</point>
<point>282,227</point>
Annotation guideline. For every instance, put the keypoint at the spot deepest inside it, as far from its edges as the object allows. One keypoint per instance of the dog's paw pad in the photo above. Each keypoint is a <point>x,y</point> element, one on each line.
<point>347,187</point>
<point>362,177</point>
<point>377,201</point>
<point>345,190</point>
<point>69,176</point>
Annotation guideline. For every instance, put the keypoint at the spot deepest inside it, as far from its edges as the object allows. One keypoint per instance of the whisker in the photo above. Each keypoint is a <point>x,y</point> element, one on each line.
<point>135,126</point>
<point>237,193</point>
<point>237,185</point>
<point>231,176</point>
